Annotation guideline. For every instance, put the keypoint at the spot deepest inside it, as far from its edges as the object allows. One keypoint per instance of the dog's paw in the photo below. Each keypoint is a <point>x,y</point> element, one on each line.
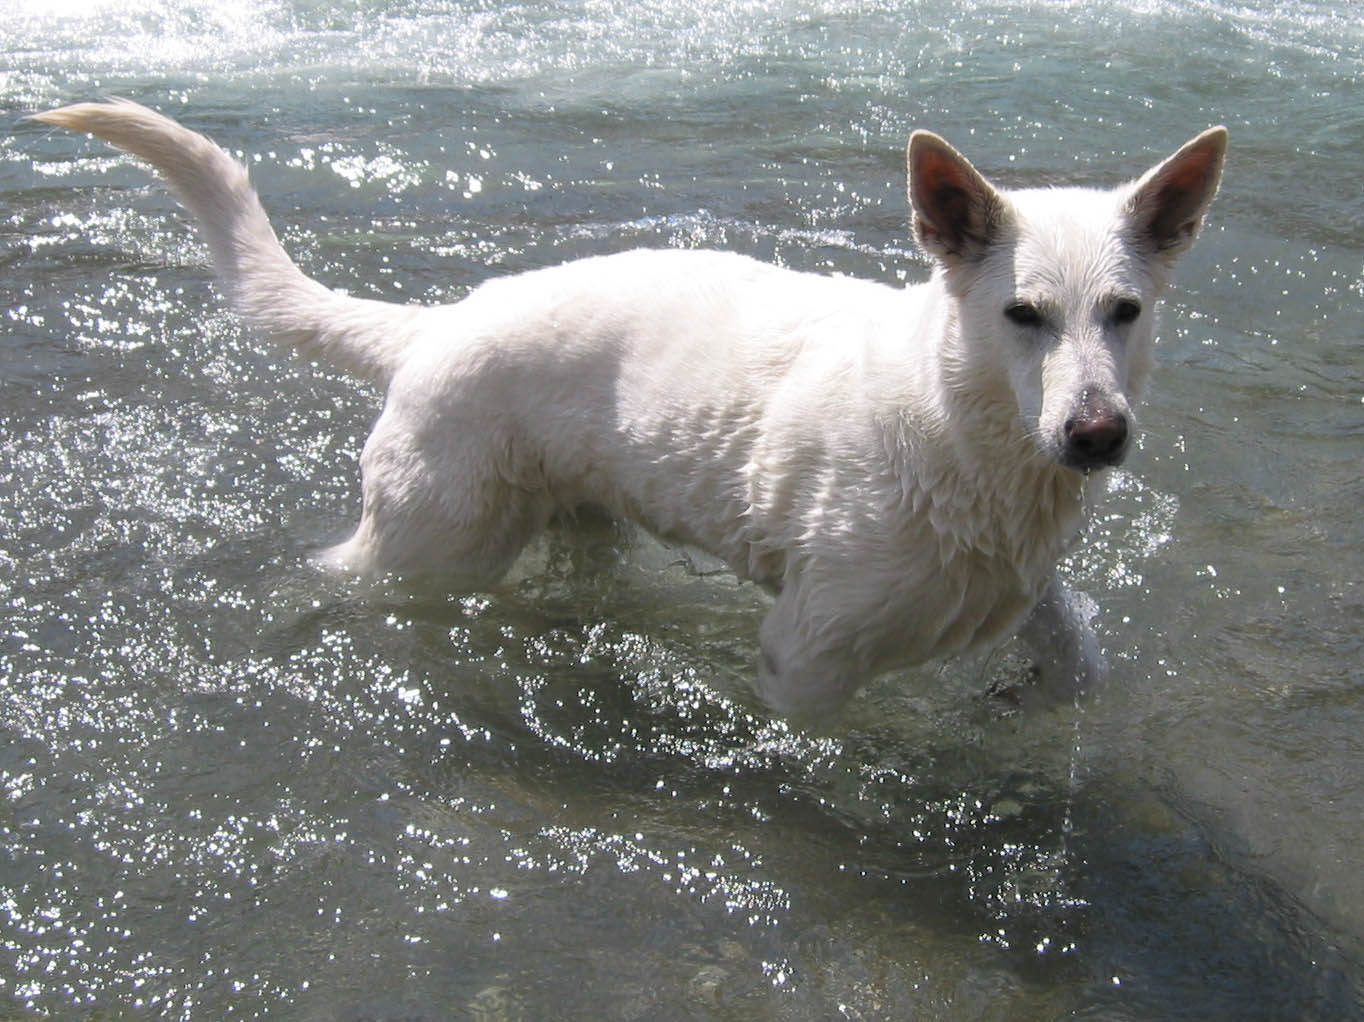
<point>1071,679</point>
<point>1047,684</point>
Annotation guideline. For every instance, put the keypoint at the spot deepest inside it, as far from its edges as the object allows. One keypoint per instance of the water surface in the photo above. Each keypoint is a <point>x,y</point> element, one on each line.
<point>233,786</point>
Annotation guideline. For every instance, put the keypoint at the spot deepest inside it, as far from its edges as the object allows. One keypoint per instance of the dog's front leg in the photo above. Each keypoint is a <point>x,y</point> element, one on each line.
<point>1060,634</point>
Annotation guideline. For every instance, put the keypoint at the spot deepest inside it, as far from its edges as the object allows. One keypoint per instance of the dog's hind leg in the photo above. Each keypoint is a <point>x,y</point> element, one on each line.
<point>804,670</point>
<point>450,508</point>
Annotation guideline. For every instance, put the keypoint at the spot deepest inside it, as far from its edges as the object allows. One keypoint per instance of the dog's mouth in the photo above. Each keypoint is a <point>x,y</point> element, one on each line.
<point>1088,464</point>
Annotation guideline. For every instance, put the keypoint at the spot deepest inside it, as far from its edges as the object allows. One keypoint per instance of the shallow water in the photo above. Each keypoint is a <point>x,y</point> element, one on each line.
<point>231,785</point>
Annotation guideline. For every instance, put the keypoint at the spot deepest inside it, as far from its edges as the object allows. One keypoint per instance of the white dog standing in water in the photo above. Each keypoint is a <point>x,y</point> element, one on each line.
<point>901,468</point>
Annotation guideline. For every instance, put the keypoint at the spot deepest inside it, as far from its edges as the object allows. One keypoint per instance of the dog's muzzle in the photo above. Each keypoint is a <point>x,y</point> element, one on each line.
<point>1094,436</point>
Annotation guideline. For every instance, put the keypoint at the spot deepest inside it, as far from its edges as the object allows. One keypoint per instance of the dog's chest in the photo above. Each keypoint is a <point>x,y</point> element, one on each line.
<point>975,559</point>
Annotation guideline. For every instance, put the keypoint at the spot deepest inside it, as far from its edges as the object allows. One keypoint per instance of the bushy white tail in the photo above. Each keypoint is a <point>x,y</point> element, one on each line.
<point>361,336</point>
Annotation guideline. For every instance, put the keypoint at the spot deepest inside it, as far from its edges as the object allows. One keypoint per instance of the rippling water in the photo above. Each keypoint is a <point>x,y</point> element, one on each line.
<point>231,785</point>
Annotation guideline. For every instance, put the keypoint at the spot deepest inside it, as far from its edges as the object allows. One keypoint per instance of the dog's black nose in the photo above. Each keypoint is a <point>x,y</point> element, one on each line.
<point>1095,438</point>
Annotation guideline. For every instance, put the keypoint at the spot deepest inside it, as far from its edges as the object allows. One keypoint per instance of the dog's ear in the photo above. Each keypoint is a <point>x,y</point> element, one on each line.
<point>1167,203</point>
<point>957,213</point>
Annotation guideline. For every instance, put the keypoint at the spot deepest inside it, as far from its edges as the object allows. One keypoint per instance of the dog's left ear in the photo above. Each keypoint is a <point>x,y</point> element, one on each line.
<point>1168,202</point>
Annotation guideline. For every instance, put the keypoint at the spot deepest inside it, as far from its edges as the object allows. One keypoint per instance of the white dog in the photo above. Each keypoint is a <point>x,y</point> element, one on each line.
<point>902,469</point>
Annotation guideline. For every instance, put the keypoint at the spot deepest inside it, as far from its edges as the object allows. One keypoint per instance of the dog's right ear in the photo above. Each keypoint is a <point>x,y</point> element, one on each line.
<point>957,213</point>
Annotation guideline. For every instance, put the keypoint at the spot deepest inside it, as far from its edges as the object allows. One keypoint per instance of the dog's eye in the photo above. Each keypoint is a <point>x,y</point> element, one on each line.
<point>1126,311</point>
<point>1023,314</point>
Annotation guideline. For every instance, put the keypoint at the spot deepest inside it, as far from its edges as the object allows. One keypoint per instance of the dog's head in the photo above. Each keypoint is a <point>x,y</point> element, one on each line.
<point>1056,289</point>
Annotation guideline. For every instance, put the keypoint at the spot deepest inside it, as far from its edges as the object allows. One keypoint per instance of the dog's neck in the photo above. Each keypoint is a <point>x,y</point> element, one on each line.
<point>990,491</point>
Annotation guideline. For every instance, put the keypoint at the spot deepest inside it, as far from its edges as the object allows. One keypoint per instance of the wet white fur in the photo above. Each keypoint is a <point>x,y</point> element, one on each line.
<point>883,460</point>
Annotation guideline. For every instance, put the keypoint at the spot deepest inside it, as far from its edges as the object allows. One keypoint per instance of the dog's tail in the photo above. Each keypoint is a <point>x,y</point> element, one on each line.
<point>361,336</point>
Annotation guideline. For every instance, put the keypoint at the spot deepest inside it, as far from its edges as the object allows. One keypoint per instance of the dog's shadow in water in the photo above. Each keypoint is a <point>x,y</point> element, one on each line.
<point>610,661</point>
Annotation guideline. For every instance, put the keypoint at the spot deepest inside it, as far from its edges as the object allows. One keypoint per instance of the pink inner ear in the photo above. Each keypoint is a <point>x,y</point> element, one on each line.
<point>1191,174</point>
<point>943,190</point>
<point>1175,199</point>
<point>939,177</point>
